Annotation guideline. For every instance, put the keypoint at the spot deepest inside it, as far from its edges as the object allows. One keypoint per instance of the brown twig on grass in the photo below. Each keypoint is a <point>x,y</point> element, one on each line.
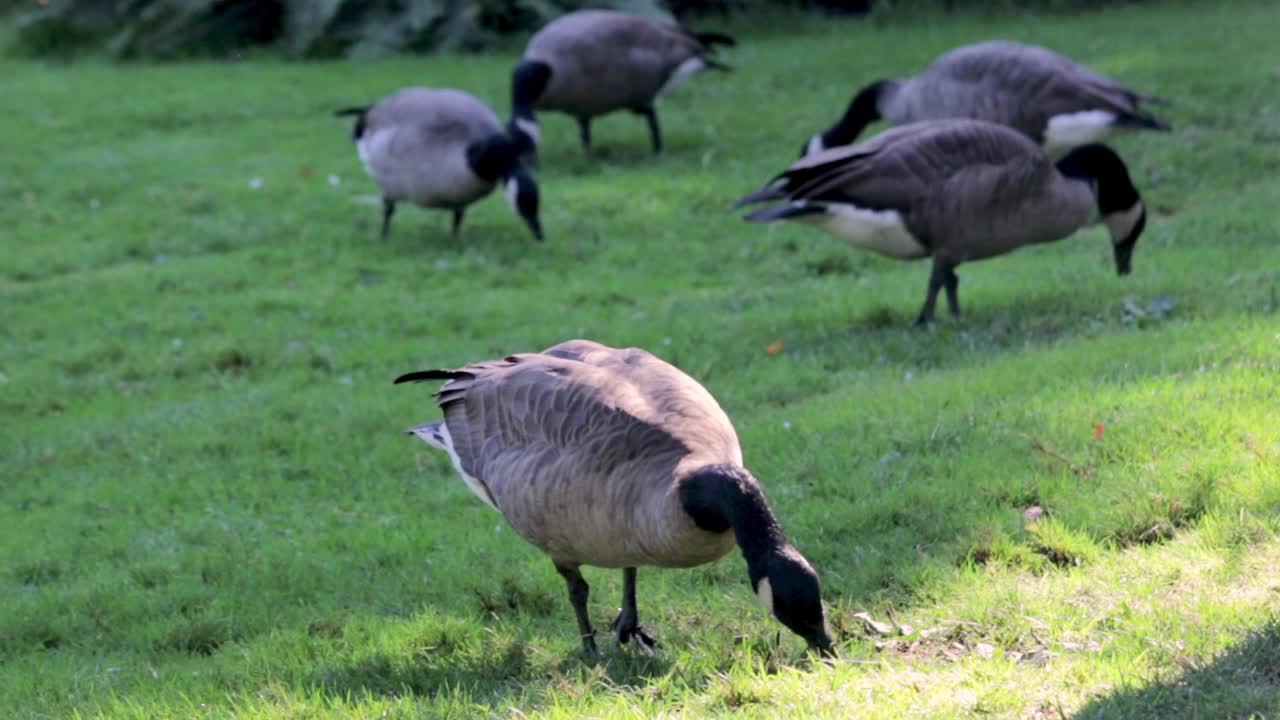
<point>1077,469</point>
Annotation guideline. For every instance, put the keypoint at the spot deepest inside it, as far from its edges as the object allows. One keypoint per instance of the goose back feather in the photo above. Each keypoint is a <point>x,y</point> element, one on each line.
<point>1022,86</point>
<point>1050,98</point>
<point>414,145</point>
<point>965,189</point>
<point>603,60</point>
<point>582,448</point>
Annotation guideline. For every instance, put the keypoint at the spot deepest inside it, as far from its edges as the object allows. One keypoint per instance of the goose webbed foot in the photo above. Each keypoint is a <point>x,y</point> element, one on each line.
<point>626,628</point>
<point>589,647</point>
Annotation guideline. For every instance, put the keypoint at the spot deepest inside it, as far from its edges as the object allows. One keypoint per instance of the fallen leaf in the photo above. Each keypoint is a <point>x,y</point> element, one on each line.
<point>1097,432</point>
<point>774,347</point>
<point>305,171</point>
<point>880,628</point>
<point>1033,513</point>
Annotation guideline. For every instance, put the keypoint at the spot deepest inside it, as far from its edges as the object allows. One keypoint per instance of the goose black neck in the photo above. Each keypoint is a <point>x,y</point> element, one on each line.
<point>863,110</point>
<point>724,497</point>
<point>1100,165</point>
<point>528,80</point>
<point>493,157</point>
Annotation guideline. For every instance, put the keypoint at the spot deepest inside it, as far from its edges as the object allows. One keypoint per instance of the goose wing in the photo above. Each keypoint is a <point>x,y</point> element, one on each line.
<point>434,116</point>
<point>579,409</point>
<point>1024,86</point>
<point>897,168</point>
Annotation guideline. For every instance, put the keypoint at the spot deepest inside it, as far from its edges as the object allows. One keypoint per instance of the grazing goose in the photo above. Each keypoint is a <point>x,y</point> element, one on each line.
<point>956,190</point>
<point>614,458</point>
<point>1049,98</point>
<point>440,149</point>
<point>593,62</point>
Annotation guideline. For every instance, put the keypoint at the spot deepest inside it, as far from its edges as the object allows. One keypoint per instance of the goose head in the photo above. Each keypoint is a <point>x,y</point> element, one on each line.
<point>522,195</point>
<point>497,158</point>
<point>790,590</point>
<point>1119,204</point>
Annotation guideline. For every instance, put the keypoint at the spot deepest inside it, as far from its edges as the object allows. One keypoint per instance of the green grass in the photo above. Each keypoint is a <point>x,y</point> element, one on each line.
<point>207,508</point>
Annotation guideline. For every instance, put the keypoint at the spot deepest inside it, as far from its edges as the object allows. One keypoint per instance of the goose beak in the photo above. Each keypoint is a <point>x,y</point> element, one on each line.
<point>1124,259</point>
<point>823,646</point>
<point>535,227</point>
<point>819,639</point>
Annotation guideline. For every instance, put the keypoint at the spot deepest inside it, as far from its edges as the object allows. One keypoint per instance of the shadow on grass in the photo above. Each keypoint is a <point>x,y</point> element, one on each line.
<point>570,158</point>
<point>489,673</point>
<point>1243,682</point>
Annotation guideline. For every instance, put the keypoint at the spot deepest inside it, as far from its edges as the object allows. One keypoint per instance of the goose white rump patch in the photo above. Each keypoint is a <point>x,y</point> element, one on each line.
<point>1080,128</point>
<point>686,70</point>
<point>372,145</point>
<point>436,434</point>
<point>880,230</point>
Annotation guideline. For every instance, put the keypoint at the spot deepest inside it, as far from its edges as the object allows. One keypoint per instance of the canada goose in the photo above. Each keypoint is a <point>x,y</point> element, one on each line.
<point>614,458</point>
<point>593,62</point>
<point>956,190</point>
<point>1050,98</point>
<point>440,149</point>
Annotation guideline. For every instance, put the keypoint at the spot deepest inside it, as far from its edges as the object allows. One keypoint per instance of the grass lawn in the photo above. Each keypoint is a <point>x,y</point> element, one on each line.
<point>207,508</point>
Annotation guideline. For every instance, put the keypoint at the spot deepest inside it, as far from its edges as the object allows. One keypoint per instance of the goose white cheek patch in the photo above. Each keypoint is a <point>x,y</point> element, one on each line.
<point>765,591</point>
<point>1120,224</point>
<point>511,191</point>
<point>530,128</point>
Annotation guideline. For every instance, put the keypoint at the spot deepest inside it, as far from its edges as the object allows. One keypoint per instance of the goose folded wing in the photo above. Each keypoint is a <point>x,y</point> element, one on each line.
<point>900,166</point>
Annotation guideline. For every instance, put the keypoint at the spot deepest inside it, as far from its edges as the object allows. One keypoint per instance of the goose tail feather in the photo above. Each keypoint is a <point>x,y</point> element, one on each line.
<point>711,39</point>
<point>423,375</point>
<point>786,211</point>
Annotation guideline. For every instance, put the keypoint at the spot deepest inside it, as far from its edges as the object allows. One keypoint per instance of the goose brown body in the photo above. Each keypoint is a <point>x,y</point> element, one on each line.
<point>440,148</point>
<point>614,458</point>
<point>1046,96</point>
<point>955,190</point>
<point>414,145</point>
<point>603,60</point>
<point>1022,86</point>
<point>582,448</point>
<point>594,62</point>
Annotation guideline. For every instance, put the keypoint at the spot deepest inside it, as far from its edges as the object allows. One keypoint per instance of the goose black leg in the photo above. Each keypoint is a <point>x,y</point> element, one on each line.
<point>952,284</point>
<point>584,133</point>
<point>457,221</point>
<point>655,132</point>
<point>627,625</point>
<point>937,279</point>
<point>388,209</point>
<point>578,591</point>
